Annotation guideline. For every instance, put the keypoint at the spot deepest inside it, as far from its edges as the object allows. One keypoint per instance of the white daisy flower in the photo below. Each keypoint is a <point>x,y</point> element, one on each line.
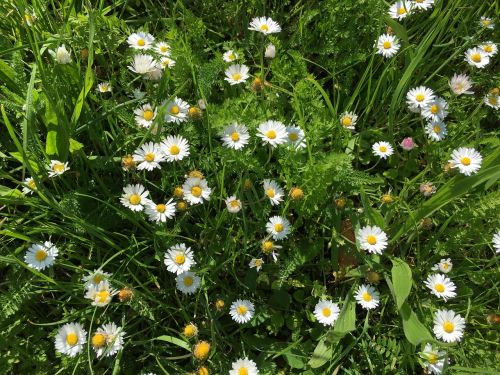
<point>148,156</point>
<point>367,296</point>
<point>492,100</point>
<point>233,204</point>
<point>270,52</point>
<point>242,311</point>
<point>177,111</point>
<point>104,87</point>
<point>236,74</point>
<point>448,326</point>
<point>444,265</point>
<point>487,22</point>
<point>420,97</point>
<point>61,55</point>
<point>434,359</point>
<point>162,48</point>
<point>244,366</point>
<point>145,115</point>
<point>326,312</point>
<point>135,197</point>
<point>467,160</point>
<point>141,40</point>
<point>143,64</point>
<point>29,186</point>
<point>489,48</point>
<point>436,130</point>
<point>179,259</point>
<point>387,45</point>
<point>167,63</point>
<point>175,147</point>
<point>278,227</point>
<point>57,168</point>
<point>400,9</point>
<point>348,120</point>
<point>476,57</point>
<point>95,277</point>
<point>40,256</point>
<point>264,25</point>
<point>372,239</point>
<point>460,84</point>
<point>382,149</point>
<point>441,286</point>
<point>272,132</point>
<point>196,190</point>
<point>187,282</point>
<point>423,4</point>
<point>273,191</point>
<point>70,339</point>
<point>100,294</point>
<point>156,73</point>
<point>160,212</point>
<point>436,110</point>
<point>235,136</point>
<point>296,137</point>
<point>107,340</point>
<point>496,241</point>
<point>256,263</point>
<point>230,56</point>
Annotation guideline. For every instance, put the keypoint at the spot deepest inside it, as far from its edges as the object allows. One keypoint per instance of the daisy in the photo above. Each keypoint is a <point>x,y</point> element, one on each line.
<point>236,74</point>
<point>270,52</point>
<point>382,149</point>
<point>190,330</point>
<point>179,259</point>
<point>496,241</point>
<point>135,197</point>
<point>143,64</point>
<point>175,147</point>
<point>107,340</point>
<point>100,294</point>
<point>441,286</point>
<point>187,282</point>
<point>167,62</point>
<point>264,25</point>
<point>145,115</point>
<point>436,130</point>
<point>489,48</point>
<point>160,212</point>
<point>434,359</point>
<point>256,263</point>
<point>436,110</point>
<point>460,84</point>
<point>348,120</point>
<point>233,204</point>
<point>476,57</point>
<point>196,190</point>
<point>326,312</point>
<point>387,45</point>
<point>95,277</point>
<point>427,189</point>
<point>448,326</point>
<point>29,185</point>
<point>242,311</point>
<point>104,87</point>
<point>57,168</point>
<point>40,256</point>
<point>372,239</point>
<point>149,156</point>
<point>273,191</point>
<point>155,74</point>
<point>61,55</point>
<point>467,160</point>
<point>400,9</point>
<point>272,132</point>
<point>269,247</point>
<point>444,265</point>
<point>244,366</point>
<point>162,48</point>
<point>367,296</point>
<point>278,227</point>
<point>420,97</point>
<point>70,339</point>
<point>177,111</point>
<point>408,144</point>
<point>487,22</point>
<point>140,40</point>
<point>235,136</point>
<point>422,4</point>
<point>230,56</point>
<point>492,100</point>
<point>296,137</point>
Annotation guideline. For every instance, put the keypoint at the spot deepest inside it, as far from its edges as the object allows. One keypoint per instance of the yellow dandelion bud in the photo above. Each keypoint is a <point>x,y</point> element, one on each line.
<point>125,294</point>
<point>257,85</point>
<point>99,340</point>
<point>340,202</point>
<point>296,193</point>
<point>219,304</point>
<point>201,350</point>
<point>194,113</point>
<point>190,330</point>
<point>267,247</point>
<point>128,163</point>
<point>247,184</point>
<point>203,371</point>
<point>387,198</point>
<point>181,206</point>
<point>196,174</point>
<point>178,192</point>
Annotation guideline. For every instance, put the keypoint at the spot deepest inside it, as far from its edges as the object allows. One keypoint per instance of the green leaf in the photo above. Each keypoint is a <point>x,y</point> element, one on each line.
<point>399,29</point>
<point>8,192</point>
<point>8,76</point>
<point>174,340</point>
<point>346,321</point>
<point>322,354</point>
<point>401,280</point>
<point>414,330</point>
<point>74,145</point>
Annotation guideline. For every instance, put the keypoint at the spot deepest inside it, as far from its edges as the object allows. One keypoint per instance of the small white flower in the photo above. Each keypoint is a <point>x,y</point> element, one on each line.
<point>489,48</point>
<point>272,132</point>
<point>230,56</point>
<point>155,74</point>
<point>444,265</point>
<point>326,312</point>
<point>270,52</point>
<point>143,64</point>
<point>29,185</point>
<point>179,259</point>
<point>175,148</point>
<point>167,62</point>
<point>244,366</point>
<point>145,115</point>
<point>100,294</point>
<point>149,156</point>
<point>436,110</point>
<point>296,137</point>
<point>264,25</point>
<point>57,168</point>
<point>441,286</point>
<point>104,87</point>
<point>95,277</point>
<point>420,97</point>
<point>162,48</point>
<point>387,45</point>
<point>278,227</point>
<point>382,149</point>
<point>235,136</point>
<point>467,160</point>
<point>448,326</point>
<point>236,74</point>
<point>135,197</point>
<point>460,84</point>
<point>40,256</point>
<point>61,55</point>
<point>141,41</point>
<point>196,190</point>
<point>160,212</point>
<point>70,339</point>
<point>177,111</point>
<point>242,311</point>
<point>233,204</point>
<point>367,296</point>
<point>434,359</point>
<point>492,100</point>
<point>476,57</point>
<point>372,239</point>
<point>400,9</point>
<point>436,130</point>
<point>487,23</point>
<point>107,340</point>
<point>187,282</point>
<point>348,120</point>
<point>273,191</point>
<point>256,263</point>
<point>496,241</point>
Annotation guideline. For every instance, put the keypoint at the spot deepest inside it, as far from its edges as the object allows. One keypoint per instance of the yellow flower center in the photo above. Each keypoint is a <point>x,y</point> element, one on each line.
<point>72,338</point>
<point>188,281</point>
<point>148,115</point>
<point>271,134</point>
<point>465,161</point>
<point>178,192</point>
<point>346,121</point>
<point>258,262</point>
<point>104,87</point>
<point>436,129</point>
<point>175,110</point>
<point>486,22</point>
<point>387,44</point>
<point>242,371</point>
<point>383,149</point>
<point>327,312</point>
<point>476,57</point>
<point>267,246</point>
<point>135,199</point>
<point>448,327</point>
<point>189,330</point>
<point>264,27</point>
<point>402,10</point>
<point>201,350</point>
<point>41,255</point>
<point>371,239</point>
<point>180,258</point>
<point>234,204</point>
<point>163,49</point>
<point>141,42</point>
<point>58,168</point>
<point>242,309</point>
<point>149,157</point>
<point>367,297</point>
<point>445,266</point>
<point>434,109</point>
<point>32,184</point>
<point>439,288</point>
<point>432,358</point>
<point>98,340</point>
<point>293,137</point>
<point>196,191</point>
<point>102,296</point>
<point>488,48</point>
<point>174,150</point>
<point>98,278</point>
<point>235,137</point>
<point>420,97</point>
<point>231,56</point>
<point>270,193</point>
<point>278,227</point>
<point>492,100</point>
<point>236,76</point>
<point>419,1</point>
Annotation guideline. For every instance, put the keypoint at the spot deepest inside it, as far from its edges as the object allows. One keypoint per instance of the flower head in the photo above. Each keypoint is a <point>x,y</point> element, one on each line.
<point>162,48</point>
<point>436,130</point>
<point>400,9</point>
<point>160,212</point>
<point>175,147</point>
<point>40,256</point>
<point>107,340</point>
<point>179,259</point>
<point>420,97</point>
<point>367,296</point>
<point>387,45</point>
<point>143,64</point>
<point>272,132</point>
<point>242,311</point>
<point>434,359</point>
<point>100,294</point>
<point>196,190</point>
<point>460,84</point>
<point>149,156</point>
<point>244,366</point>
<point>233,204</point>
<point>467,160</point>
<point>57,168</point>
<point>326,312</point>
<point>177,111</point>
<point>444,266</point>
<point>296,137</point>
<point>264,25</point>
<point>187,282</point>
<point>273,191</point>
<point>140,40</point>
<point>278,227</point>
<point>230,56</point>
<point>235,136</point>
<point>436,110</point>
<point>70,339</point>
<point>29,185</point>
<point>476,57</point>
<point>408,144</point>
<point>382,149</point>
<point>348,120</point>
<point>441,286</point>
<point>135,197</point>
<point>236,74</point>
<point>372,239</point>
<point>61,55</point>
<point>448,326</point>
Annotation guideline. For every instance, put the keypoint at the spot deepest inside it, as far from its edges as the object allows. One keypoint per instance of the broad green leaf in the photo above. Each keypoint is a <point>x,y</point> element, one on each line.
<point>398,29</point>
<point>8,76</point>
<point>346,321</point>
<point>414,330</point>
<point>8,192</point>
<point>322,354</point>
<point>74,145</point>
<point>174,340</point>
<point>401,280</point>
